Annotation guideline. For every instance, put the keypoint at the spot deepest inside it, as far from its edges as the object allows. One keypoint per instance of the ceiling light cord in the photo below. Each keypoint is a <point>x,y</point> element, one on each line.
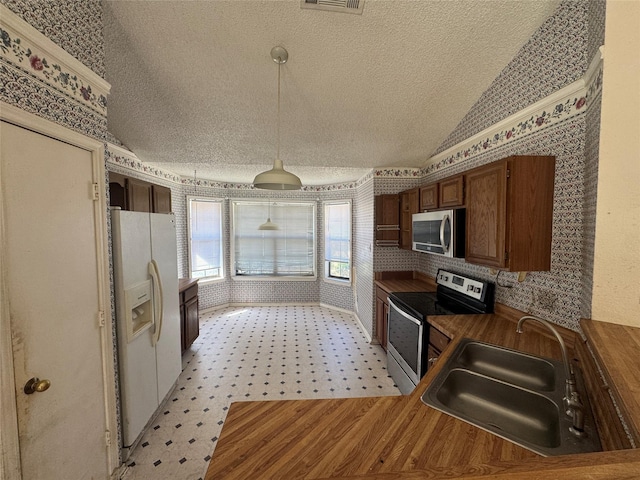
<point>278,178</point>
<point>278,131</point>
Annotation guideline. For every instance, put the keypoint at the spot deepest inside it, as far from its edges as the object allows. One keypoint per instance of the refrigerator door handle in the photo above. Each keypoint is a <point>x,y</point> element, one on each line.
<point>157,300</point>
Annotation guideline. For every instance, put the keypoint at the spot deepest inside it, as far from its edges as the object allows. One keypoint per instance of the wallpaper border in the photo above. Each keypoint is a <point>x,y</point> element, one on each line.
<point>24,48</point>
<point>568,102</point>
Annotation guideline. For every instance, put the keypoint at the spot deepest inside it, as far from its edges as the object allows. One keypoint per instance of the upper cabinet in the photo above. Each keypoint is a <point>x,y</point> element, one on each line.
<point>510,213</point>
<point>429,197</point>
<point>447,193</point>
<point>451,192</point>
<point>160,199</point>
<point>409,204</point>
<point>137,195</point>
<point>387,220</point>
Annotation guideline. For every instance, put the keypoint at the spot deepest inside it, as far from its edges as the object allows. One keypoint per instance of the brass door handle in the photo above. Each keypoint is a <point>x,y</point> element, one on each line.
<point>36,385</point>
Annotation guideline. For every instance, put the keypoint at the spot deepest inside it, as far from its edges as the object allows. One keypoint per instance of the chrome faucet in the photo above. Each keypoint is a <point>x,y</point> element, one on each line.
<point>573,405</point>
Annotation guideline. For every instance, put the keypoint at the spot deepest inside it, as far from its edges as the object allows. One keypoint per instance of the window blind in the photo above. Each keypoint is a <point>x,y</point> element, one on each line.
<point>337,245</point>
<point>288,251</point>
<point>205,222</point>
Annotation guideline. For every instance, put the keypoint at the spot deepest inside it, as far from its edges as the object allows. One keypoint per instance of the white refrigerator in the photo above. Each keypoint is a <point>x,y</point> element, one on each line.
<point>147,314</point>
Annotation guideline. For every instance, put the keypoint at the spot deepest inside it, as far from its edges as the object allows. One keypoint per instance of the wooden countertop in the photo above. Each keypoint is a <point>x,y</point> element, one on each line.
<point>184,283</point>
<point>396,437</point>
<point>404,282</point>
<point>617,347</point>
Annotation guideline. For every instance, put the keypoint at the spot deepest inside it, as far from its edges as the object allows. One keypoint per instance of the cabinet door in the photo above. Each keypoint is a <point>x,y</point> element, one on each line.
<point>117,190</point>
<point>486,214</point>
<point>192,325</point>
<point>452,192</point>
<point>138,195</point>
<point>161,197</point>
<point>387,220</point>
<point>409,204</point>
<point>429,197</point>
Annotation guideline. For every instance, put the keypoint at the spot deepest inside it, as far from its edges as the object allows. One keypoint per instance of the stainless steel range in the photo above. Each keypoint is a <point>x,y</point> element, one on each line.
<point>408,329</point>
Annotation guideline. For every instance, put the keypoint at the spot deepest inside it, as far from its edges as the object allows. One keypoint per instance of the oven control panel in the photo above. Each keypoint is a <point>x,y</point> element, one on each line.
<point>467,286</point>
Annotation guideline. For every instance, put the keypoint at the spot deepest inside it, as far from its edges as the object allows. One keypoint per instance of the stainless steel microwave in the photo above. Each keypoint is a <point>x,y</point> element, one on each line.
<point>440,232</point>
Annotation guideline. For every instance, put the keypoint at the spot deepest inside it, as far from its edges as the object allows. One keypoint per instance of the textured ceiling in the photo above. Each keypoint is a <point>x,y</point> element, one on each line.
<point>194,87</point>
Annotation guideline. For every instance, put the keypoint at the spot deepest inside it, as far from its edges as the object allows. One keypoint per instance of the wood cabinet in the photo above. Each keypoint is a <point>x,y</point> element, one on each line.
<point>447,193</point>
<point>429,197</point>
<point>382,314</point>
<point>438,341</point>
<point>160,199</point>
<point>137,195</point>
<point>451,192</point>
<point>510,213</point>
<point>409,204</point>
<point>387,215</point>
<point>189,315</point>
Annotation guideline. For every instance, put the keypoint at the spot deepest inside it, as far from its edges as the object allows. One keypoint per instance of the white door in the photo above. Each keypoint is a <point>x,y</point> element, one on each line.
<point>52,277</point>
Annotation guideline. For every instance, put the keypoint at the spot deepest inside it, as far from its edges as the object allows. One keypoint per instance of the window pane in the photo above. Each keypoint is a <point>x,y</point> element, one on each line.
<point>289,250</point>
<point>205,222</point>
<point>337,239</point>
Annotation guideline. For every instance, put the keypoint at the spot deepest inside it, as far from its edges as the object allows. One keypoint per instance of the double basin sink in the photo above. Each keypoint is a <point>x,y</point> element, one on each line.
<point>516,396</point>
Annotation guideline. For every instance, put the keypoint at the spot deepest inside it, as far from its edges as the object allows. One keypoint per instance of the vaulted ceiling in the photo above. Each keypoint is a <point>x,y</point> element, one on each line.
<point>194,87</point>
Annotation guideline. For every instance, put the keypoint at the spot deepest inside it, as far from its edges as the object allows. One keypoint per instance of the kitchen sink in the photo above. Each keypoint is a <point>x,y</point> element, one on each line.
<point>512,410</point>
<point>511,366</point>
<point>514,395</point>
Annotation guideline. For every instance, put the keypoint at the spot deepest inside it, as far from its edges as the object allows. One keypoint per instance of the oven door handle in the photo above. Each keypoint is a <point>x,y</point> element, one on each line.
<point>403,313</point>
<point>445,219</point>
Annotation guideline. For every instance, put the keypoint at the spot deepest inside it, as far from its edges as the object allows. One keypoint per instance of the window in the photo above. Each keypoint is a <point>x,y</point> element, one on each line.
<point>337,240</point>
<point>205,238</point>
<point>288,251</point>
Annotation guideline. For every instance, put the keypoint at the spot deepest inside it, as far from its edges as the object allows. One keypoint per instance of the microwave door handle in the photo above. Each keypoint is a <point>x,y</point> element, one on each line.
<point>445,219</point>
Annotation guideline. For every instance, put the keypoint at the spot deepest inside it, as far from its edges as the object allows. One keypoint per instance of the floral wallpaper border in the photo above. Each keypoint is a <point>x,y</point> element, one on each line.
<point>23,47</point>
<point>547,112</point>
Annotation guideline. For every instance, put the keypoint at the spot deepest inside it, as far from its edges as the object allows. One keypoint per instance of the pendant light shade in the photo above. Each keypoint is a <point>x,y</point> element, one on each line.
<point>277,178</point>
<point>268,225</point>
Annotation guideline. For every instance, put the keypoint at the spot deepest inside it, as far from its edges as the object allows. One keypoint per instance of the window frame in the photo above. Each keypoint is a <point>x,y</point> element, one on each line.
<point>271,278</point>
<point>220,201</point>
<point>326,264</point>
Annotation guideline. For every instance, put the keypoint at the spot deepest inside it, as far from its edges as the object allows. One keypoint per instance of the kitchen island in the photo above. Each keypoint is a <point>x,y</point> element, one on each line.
<point>400,437</point>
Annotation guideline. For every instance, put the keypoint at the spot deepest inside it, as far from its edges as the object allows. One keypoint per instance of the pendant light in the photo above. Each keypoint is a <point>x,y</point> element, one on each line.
<point>277,178</point>
<point>268,225</point>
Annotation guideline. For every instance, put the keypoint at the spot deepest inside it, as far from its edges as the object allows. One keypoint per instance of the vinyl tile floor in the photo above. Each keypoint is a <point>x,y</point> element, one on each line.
<point>253,354</point>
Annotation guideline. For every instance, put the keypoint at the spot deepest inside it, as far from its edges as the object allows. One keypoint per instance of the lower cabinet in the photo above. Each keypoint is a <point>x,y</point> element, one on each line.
<point>189,321</point>
<point>382,313</point>
<point>437,343</point>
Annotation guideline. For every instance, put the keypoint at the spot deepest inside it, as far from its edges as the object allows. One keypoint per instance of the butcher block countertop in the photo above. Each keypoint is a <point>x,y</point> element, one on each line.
<point>401,438</point>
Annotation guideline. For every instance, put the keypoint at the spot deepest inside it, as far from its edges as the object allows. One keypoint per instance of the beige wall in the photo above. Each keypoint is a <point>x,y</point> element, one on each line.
<point>616,276</point>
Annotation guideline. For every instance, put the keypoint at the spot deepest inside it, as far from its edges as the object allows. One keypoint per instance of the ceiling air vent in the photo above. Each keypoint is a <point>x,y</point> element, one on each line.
<point>344,6</point>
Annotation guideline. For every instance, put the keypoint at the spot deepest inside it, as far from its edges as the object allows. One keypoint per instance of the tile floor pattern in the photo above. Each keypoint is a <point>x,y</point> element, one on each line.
<point>252,354</point>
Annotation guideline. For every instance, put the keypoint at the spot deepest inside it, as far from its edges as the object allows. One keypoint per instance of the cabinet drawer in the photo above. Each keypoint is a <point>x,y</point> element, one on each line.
<point>190,293</point>
<point>438,339</point>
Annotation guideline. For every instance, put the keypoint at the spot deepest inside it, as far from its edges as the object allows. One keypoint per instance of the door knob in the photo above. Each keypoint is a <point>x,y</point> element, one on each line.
<point>36,385</point>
